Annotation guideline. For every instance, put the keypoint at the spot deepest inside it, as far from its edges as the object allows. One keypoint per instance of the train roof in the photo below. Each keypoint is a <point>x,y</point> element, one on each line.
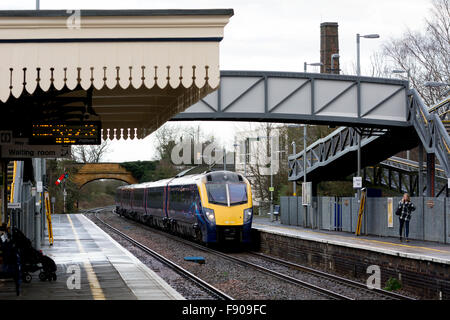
<point>190,179</point>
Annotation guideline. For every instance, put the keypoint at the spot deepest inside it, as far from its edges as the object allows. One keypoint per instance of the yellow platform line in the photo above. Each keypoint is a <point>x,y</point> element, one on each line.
<point>367,240</point>
<point>96,289</point>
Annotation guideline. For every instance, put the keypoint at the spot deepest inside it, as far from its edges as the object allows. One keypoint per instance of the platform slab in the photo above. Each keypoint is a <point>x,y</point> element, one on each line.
<point>107,270</point>
<point>419,250</point>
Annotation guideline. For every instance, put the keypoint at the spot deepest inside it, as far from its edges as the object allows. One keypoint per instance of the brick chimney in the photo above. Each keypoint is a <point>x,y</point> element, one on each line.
<point>329,44</point>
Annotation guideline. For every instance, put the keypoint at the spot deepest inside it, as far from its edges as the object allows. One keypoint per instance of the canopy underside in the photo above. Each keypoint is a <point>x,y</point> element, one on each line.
<point>132,70</point>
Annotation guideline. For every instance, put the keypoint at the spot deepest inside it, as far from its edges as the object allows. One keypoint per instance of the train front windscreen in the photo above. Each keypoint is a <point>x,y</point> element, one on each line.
<point>227,193</point>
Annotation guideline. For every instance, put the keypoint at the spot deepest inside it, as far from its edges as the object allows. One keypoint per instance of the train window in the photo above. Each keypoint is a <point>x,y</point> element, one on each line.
<point>155,198</point>
<point>217,193</point>
<point>227,194</point>
<point>183,198</point>
<point>238,193</point>
<point>138,197</point>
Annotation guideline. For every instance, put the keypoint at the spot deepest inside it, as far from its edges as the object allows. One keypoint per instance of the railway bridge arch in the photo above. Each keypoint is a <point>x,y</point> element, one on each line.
<point>94,171</point>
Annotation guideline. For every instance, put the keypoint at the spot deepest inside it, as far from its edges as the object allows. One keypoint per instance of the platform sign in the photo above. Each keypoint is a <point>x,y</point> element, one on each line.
<point>39,186</point>
<point>15,151</point>
<point>357,182</point>
<point>390,212</point>
<point>66,133</point>
<point>306,193</point>
<point>14,205</point>
<point>6,137</point>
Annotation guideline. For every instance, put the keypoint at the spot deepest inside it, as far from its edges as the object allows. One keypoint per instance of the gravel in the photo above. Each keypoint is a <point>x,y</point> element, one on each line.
<point>323,282</point>
<point>238,281</point>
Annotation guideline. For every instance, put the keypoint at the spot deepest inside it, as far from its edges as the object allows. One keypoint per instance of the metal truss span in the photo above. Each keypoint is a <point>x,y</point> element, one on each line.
<point>334,157</point>
<point>304,97</point>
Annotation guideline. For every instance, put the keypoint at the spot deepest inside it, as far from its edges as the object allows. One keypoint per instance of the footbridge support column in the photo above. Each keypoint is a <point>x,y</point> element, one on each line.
<point>420,173</point>
<point>314,209</point>
<point>431,161</point>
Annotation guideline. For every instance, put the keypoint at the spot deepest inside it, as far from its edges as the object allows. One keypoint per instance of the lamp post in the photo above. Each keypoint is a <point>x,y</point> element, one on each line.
<point>294,183</point>
<point>271,177</point>
<point>399,71</point>
<point>314,64</point>
<point>305,126</point>
<point>333,56</point>
<point>437,84</point>
<point>358,73</point>
<point>235,145</point>
<point>358,36</point>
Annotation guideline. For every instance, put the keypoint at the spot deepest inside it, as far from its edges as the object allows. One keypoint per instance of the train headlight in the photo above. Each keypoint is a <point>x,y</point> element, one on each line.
<point>248,213</point>
<point>209,214</point>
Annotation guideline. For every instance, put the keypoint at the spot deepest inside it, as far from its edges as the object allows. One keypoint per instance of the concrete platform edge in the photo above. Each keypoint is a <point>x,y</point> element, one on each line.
<point>146,270</point>
<point>263,228</point>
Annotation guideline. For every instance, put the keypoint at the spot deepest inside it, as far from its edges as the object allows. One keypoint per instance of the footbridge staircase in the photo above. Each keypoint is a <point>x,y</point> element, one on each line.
<point>335,156</point>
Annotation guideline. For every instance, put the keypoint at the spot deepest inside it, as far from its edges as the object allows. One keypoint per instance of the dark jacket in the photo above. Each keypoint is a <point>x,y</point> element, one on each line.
<point>406,208</point>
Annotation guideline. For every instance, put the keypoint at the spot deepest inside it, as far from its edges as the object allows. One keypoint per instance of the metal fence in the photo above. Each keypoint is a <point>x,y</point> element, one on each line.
<point>430,221</point>
<point>24,218</point>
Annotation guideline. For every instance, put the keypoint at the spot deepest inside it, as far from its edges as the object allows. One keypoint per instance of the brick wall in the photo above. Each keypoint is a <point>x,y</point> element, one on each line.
<point>421,278</point>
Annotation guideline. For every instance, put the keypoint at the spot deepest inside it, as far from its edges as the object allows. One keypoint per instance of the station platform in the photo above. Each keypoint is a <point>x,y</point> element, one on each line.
<point>107,270</point>
<point>414,249</point>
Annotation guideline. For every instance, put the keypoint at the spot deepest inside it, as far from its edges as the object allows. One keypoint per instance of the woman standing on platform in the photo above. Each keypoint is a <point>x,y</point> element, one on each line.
<point>404,210</point>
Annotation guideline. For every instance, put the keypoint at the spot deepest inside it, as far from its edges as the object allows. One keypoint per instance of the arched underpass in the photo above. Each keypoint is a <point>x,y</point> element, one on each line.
<point>95,171</point>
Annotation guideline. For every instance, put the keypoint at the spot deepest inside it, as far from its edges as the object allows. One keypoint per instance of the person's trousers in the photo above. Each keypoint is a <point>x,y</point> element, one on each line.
<point>406,224</point>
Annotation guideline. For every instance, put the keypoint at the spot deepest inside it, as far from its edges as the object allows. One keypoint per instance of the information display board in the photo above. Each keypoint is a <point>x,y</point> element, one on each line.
<point>66,133</point>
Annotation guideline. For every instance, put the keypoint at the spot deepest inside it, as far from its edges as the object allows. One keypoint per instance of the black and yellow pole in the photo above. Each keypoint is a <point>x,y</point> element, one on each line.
<point>4,195</point>
<point>361,211</point>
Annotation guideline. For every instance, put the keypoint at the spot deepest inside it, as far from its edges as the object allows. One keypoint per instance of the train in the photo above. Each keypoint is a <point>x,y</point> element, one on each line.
<point>213,207</point>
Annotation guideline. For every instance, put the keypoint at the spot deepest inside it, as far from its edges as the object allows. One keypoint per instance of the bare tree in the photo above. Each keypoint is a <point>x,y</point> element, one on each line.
<point>426,54</point>
<point>166,137</point>
<point>90,153</point>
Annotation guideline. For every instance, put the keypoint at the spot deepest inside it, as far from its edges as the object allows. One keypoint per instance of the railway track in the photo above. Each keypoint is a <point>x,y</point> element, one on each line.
<point>183,272</point>
<point>357,285</point>
<point>336,281</point>
<point>306,284</point>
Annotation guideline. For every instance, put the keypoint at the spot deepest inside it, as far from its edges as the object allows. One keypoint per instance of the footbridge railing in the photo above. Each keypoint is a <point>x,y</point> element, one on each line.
<point>343,141</point>
<point>431,130</point>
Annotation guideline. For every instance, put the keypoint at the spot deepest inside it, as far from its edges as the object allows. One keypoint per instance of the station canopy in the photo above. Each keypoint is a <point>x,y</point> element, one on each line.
<point>130,69</point>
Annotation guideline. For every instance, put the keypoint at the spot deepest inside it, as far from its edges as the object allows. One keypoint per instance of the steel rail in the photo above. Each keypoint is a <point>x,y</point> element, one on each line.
<point>174,266</point>
<point>278,275</point>
<point>333,277</point>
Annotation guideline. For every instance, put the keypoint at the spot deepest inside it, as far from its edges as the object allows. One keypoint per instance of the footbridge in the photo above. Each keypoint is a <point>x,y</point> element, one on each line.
<point>305,97</point>
<point>382,115</point>
<point>334,157</point>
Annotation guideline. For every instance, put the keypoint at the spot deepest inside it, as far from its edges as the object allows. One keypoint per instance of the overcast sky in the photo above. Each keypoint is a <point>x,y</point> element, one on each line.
<point>271,35</point>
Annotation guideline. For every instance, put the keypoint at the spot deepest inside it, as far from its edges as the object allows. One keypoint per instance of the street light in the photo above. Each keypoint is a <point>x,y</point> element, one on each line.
<point>334,56</point>
<point>314,64</point>
<point>358,72</point>
<point>235,145</point>
<point>398,71</point>
<point>367,36</point>
<point>435,84</point>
